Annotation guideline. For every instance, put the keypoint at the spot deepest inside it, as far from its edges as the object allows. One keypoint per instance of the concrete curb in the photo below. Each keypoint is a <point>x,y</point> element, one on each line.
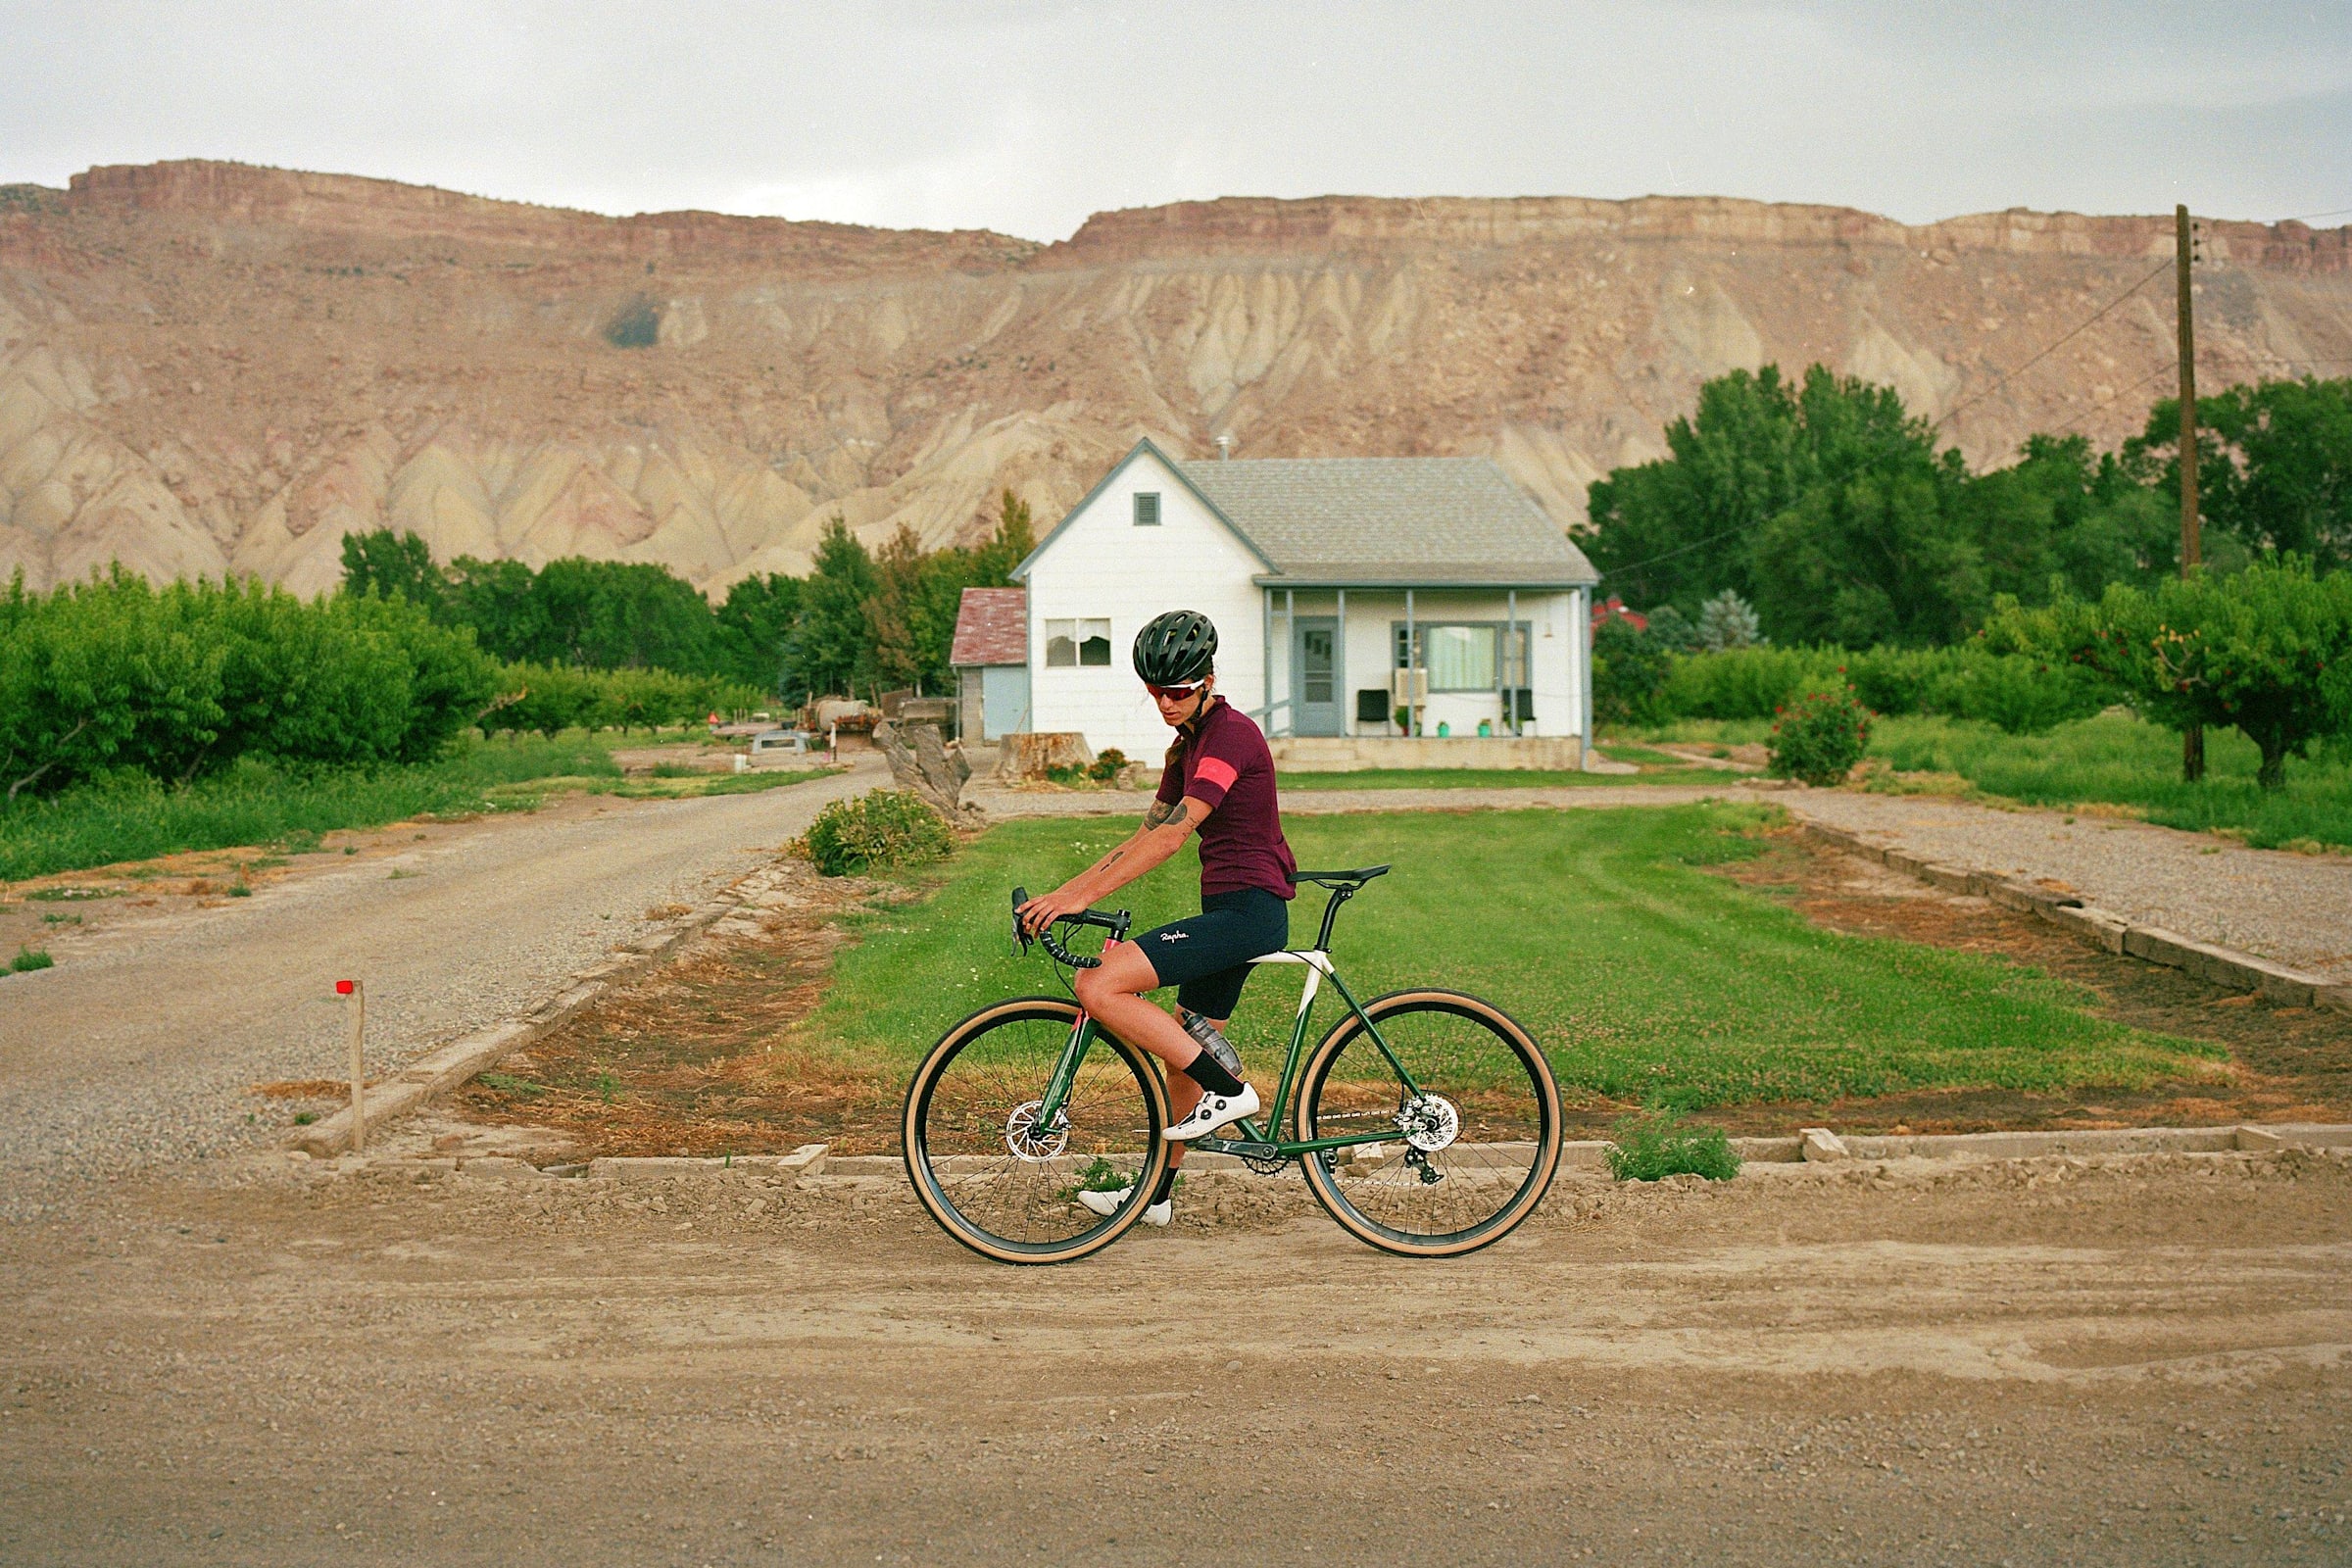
<point>456,1064</point>
<point>1817,1145</point>
<point>2217,966</point>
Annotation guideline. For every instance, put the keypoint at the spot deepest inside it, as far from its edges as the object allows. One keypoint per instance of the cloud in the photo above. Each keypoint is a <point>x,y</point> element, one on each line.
<point>1026,117</point>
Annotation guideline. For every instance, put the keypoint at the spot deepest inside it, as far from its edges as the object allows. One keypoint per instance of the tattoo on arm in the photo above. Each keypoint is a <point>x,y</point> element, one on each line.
<point>1161,814</point>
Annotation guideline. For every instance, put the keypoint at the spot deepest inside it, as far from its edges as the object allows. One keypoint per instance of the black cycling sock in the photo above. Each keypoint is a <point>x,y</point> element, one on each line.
<point>1210,1074</point>
<point>1168,1185</point>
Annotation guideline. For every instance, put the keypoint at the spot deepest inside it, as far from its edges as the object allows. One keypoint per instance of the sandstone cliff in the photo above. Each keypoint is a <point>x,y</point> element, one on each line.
<point>208,367</point>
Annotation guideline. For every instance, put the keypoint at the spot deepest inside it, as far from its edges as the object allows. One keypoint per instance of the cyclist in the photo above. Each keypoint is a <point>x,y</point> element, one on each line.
<point>1218,781</point>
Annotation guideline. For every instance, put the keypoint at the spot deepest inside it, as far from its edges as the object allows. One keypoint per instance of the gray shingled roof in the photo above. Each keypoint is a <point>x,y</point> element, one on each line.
<point>1402,522</point>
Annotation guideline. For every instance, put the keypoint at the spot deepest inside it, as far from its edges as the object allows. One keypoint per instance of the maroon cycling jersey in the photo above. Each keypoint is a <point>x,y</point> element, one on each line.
<point>1226,766</point>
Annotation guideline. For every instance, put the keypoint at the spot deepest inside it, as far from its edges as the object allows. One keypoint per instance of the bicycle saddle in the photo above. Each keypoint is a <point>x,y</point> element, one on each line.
<point>1336,880</point>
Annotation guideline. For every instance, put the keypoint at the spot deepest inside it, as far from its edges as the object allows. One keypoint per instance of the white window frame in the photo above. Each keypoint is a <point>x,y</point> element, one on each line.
<point>1075,633</point>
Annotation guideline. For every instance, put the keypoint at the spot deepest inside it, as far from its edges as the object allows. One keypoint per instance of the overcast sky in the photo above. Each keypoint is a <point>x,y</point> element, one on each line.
<point>1024,117</point>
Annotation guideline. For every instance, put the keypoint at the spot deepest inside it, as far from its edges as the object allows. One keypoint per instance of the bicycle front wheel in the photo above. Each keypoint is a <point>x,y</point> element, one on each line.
<point>1474,1113</point>
<point>994,1177</point>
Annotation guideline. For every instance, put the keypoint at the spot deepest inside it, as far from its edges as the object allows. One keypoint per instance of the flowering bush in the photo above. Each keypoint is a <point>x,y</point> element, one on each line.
<point>1820,736</point>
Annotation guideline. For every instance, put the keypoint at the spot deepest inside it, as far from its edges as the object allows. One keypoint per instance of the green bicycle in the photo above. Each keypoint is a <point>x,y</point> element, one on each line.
<point>1425,1121</point>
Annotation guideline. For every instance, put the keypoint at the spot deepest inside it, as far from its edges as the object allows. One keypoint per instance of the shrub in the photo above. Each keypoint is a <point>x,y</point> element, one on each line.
<point>28,959</point>
<point>2017,693</point>
<point>1660,1143</point>
<point>1821,736</point>
<point>1106,764</point>
<point>876,830</point>
<point>1630,670</point>
<point>1740,682</point>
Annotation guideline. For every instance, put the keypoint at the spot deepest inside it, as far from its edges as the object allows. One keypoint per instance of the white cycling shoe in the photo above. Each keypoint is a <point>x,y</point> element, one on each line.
<point>1214,1111</point>
<point>1107,1205</point>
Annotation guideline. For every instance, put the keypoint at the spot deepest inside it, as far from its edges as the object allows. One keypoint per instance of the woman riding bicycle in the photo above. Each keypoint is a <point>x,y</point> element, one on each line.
<point>1218,781</point>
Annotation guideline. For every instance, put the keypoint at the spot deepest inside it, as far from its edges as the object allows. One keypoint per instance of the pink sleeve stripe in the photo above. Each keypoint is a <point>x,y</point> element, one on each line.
<point>1215,771</point>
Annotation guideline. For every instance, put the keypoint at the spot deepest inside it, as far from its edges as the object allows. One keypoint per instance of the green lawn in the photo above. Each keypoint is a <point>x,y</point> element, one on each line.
<point>1496,778</point>
<point>2112,758</point>
<point>134,819</point>
<point>1645,977</point>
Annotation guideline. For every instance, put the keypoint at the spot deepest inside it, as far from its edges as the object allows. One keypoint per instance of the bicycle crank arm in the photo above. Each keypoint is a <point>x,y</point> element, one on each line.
<point>1244,1149</point>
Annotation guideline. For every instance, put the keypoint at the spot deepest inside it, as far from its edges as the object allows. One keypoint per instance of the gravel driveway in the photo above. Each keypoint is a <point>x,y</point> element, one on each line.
<point>144,1041</point>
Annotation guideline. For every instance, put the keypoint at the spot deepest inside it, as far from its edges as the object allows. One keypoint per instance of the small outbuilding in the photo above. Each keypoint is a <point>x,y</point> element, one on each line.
<point>991,660</point>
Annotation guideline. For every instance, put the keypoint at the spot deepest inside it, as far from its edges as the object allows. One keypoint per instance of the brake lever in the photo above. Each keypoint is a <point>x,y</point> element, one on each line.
<point>1020,933</point>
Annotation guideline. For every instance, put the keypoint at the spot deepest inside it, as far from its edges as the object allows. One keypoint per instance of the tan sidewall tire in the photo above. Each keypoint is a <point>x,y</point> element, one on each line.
<point>954,1040</point>
<point>1548,1156</point>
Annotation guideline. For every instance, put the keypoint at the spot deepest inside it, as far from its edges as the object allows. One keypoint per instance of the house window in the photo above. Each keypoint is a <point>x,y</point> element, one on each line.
<point>1467,657</point>
<point>1077,642</point>
<point>1146,508</point>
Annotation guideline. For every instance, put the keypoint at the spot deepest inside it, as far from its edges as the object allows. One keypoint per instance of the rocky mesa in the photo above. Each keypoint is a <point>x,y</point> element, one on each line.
<point>209,367</point>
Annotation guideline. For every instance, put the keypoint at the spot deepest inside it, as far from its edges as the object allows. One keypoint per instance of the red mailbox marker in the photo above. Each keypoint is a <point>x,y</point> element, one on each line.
<point>342,988</point>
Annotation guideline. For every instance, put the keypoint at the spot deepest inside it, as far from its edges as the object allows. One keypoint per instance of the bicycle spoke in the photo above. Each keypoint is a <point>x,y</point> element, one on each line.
<point>1473,1149</point>
<point>1000,1179</point>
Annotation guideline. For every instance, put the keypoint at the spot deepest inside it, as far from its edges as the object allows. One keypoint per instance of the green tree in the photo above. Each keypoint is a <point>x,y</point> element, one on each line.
<point>394,567</point>
<point>831,651</point>
<point>500,601</point>
<point>1629,668</point>
<point>618,614</point>
<point>754,629</point>
<point>2273,466</point>
<point>1678,530</point>
<point>2267,651</point>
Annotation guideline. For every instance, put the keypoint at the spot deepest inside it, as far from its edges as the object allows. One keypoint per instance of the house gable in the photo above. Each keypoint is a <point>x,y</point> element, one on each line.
<point>1142,450</point>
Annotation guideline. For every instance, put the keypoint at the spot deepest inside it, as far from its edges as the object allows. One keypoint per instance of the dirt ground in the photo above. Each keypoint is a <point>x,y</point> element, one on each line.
<point>2056,1361</point>
<point>698,1060</point>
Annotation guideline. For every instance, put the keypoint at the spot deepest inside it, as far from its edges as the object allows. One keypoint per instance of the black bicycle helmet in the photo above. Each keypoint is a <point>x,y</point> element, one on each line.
<point>1175,647</point>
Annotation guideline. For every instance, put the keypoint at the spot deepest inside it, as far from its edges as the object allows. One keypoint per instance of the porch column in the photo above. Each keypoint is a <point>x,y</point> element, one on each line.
<point>1339,670</point>
<point>1289,635</point>
<point>1266,657</point>
<point>1510,631</point>
<point>1412,710</point>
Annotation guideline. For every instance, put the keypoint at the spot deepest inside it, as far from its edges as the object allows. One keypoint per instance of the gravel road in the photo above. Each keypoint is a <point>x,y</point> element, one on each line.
<point>2056,1361</point>
<point>2294,908</point>
<point>144,1041</point>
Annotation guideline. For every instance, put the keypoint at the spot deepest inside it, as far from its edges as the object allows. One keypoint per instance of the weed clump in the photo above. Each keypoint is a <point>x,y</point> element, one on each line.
<point>28,959</point>
<point>1650,1148</point>
<point>876,831</point>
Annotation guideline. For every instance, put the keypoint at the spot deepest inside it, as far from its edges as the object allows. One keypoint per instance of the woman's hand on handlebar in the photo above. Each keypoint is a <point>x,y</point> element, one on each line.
<point>1047,908</point>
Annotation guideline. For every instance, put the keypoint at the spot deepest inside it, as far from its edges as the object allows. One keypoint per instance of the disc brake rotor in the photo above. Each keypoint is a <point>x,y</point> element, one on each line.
<point>1025,1140</point>
<point>1428,1122</point>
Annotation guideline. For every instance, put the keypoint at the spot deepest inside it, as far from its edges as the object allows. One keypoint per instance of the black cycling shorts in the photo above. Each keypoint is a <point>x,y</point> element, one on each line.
<point>1207,956</point>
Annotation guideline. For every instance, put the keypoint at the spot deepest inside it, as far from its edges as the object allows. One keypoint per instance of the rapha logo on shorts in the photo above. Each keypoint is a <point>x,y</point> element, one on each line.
<point>1174,936</point>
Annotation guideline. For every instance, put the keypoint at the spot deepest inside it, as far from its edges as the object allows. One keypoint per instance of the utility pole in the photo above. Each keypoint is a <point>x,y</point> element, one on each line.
<point>2192,737</point>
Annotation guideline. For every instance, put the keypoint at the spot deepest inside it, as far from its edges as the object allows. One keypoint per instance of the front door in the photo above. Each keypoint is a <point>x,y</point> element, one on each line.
<point>1314,675</point>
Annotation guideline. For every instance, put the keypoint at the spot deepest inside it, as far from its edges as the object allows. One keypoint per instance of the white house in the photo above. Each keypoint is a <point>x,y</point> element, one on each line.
<point>1401,611</point>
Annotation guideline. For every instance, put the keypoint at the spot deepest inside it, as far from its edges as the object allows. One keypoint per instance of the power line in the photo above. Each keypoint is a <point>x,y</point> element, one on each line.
<point>2112,398</point>
<point>2305,218</point>
<point>1637,566</point>
<point>2079,328</point>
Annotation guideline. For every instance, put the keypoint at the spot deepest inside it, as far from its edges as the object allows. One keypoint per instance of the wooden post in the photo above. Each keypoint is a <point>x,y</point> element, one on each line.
<point>2192,736</point>
<point>358,1066</point>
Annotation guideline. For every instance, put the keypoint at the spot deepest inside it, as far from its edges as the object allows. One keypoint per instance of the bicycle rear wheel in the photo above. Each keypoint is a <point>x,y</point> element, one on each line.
<point>1473,1152</point>
<point>1005,1187</point>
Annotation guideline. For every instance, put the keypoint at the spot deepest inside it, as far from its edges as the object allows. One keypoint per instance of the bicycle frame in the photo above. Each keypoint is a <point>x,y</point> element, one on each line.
<point>1255,1145</point>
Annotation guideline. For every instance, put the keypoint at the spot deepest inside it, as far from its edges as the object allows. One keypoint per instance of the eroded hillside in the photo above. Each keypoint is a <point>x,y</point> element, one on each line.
<point>208,367</point>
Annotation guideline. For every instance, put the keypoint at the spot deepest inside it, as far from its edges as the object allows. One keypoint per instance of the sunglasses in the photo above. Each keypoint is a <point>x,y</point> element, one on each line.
<point>1174,694</point>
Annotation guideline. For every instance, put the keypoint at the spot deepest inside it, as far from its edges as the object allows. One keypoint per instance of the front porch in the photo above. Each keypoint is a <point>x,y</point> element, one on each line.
<point>1356,753</point>
<point>1442,676</point>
